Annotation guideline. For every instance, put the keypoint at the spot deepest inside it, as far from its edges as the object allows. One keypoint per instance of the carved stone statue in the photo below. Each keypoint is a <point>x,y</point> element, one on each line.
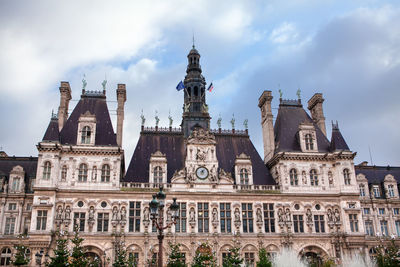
<point>330,178</point>
<point>337,215</point>
<point>104,83</point>
<point>259,215</point>
<point>146,214</point>
<point>287,215</point>
<point>213,174</point>
<point>233,121</point>
<point>309,216</point>
<point>219,121</point>
<point>192,215</point>
<point>123,213</point>
<point>169,215</point>
<point>170,120</point>
<point>115,214</point>
<point>201,154</point>
<point>215,215</point>
<point>237,215</point>
<point>84,82</point>
<point>94,174</point>
<point>157,119</point>
<point>330,215</point>
<point>91,213</point>
<point>246,124</point>
<point>304,177</point>
<point>67,213</point>
<point>186,107</point>
<point>5,187</point>
<point>59,213</point>
<point>280,215</point>
<point>143,118</point>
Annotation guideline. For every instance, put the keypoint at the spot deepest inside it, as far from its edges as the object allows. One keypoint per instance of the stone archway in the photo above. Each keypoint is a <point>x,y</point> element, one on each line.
<point>313,255</point>
<point>93,252</point>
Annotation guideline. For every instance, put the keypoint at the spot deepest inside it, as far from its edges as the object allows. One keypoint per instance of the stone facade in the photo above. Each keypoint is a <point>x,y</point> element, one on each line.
<point>305,193</point>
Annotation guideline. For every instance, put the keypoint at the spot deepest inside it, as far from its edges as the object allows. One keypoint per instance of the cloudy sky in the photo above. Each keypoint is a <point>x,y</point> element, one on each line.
<point>347,50</point>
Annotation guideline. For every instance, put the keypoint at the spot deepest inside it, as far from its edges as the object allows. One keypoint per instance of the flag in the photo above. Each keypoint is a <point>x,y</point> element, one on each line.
<point>210,87</point>
<point>180,86</point>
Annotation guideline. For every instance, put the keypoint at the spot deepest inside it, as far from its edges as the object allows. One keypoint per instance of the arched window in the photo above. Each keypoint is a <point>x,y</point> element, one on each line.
<point>105,173</point>
<point>196,91</point>
<point>293,177</point>
<point>158,175</point>
<point>244,176</point>
<point>46,170</point>
<point>64,173</point>
<point>346,176</point>
<point>309,142</point>
<point>86,134</point>
<point>313,178</point>
<point>5,257</point>
<point>83,172</point>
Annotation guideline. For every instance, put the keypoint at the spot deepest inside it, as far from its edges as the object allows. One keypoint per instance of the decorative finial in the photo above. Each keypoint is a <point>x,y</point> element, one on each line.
<point>233,121</point>
<point>193,41</point>
<point>170,119</point>
<point>219,121</point>
<point>298,93</point>
<point>246,124</point>
<point>84,83</point>
<point>157,119</point>
<point>143,118</point>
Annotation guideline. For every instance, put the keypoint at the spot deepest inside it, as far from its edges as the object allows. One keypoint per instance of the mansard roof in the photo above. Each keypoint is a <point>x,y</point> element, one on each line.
<point>377,174</point>
<point>104,130</point>
<point>52,132</point>
<point>29,164</point>
<point>172,144</point>
<point>290,115</point>
<point>337,140</point>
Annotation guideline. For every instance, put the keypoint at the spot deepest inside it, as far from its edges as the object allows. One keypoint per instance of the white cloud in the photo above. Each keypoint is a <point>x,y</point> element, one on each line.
<point>284,33</point>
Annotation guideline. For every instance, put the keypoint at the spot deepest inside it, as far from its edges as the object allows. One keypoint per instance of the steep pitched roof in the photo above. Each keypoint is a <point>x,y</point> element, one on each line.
<point>173,146</point>
<point>290,115</point>
<point>28,163</point>
<point>52,133</point>
<point>377,174</point>
<point>104,131</point>
<point>337,140</point>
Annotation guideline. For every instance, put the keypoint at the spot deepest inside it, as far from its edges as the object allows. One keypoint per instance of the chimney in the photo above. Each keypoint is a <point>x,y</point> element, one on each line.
<point>65,97</point>
<point>264,103</point>
<point>121,98</point>
<point>317,113</point>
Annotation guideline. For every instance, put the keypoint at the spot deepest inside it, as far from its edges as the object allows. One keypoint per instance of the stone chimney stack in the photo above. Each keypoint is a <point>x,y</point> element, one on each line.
<point>121,98</point>
<point>65,97</point>
<point>264,103</point>
<point>317,113</point>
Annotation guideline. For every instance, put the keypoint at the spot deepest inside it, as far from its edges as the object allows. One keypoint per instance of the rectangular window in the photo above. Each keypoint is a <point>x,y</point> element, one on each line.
<point>134,258</point>
<point>369,228</point>
<point>353,222</point>
<point>224,256</point>
<point>298,223</point>
<point>102,222</point>
<point>247,217</point>
<point>367,211</point>
<point>384,228</point>
<point>134,216</point>
<point>15,185</point>
<point>12,206</point>
<point>203,217</point>
<point>41,220</point>
<point>396,211</point>
<point>319,223</point>
<point>362,191</point>
<point>225,217</point>
<point>28,206</point>
<point>249,259</point>
<point>269,217</point>
<point>397,224</point>
<point>352,205</point>
<point>79,220</point>
<point>377,192</point>
<point>10,226</point>
<point>381,211</point>
<point>180,226</point>
<point>391,190</point>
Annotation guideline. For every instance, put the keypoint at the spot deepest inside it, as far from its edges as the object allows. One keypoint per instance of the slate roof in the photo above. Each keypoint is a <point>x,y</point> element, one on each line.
<point>173,145</point>
<point>337,140</point>
<point>104,131</point>
<point>52,133</point>
<point>290,115</point>
<point>376,174</point>
<point>28,163</point>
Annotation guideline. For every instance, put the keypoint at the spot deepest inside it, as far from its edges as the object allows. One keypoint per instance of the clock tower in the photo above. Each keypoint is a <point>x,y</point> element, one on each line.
<point>195,109</point>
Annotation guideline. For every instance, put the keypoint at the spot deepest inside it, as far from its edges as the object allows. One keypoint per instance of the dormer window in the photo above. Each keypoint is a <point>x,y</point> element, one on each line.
<point>105,173</point>
<point>244,176</point>
<point>158,175</point>
<point>309,142</point>
<point>86,135</point>
<point>313,177</point>
<point>362,190</point>
<point>346,176</point>
<point>83,173</point>
<point>377,192</point>
<point>391,190</point>
<point>46,170</point>
<point>293,177</point>
<point>15,184</point>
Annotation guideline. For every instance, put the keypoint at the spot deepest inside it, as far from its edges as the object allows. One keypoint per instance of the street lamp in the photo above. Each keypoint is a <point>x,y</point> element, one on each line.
<point>39,258</point>
<point>157,205</point>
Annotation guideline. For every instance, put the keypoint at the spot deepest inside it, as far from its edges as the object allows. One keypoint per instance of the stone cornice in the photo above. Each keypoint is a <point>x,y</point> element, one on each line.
<point>79,150</point>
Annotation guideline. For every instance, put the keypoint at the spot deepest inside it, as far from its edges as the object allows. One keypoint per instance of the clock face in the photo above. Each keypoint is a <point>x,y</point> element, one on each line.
<point>202,173</point>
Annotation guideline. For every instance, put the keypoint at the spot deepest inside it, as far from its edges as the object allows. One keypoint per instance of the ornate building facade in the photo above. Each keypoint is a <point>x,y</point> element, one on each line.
<point>306,193</point>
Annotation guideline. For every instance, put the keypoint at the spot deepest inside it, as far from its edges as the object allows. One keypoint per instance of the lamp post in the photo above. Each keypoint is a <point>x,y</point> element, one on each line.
<point>39,258</point>
<point>157,205</point>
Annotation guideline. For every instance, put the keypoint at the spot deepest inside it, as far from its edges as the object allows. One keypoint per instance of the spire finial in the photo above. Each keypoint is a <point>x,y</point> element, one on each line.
<point>193,41</point>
